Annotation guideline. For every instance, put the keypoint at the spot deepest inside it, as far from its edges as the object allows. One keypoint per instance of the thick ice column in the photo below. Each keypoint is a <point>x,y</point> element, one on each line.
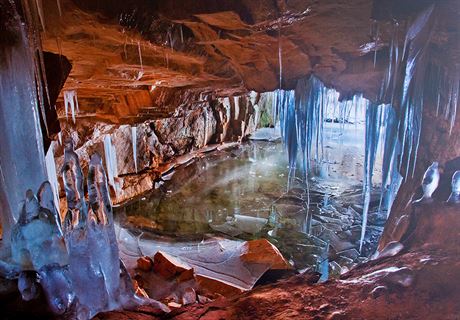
<point>22,164</point>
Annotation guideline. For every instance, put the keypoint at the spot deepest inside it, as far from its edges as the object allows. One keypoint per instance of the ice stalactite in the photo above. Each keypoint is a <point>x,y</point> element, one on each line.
<point>391,179</point>
<point>280,57</point>
<point>58,2</point>
<point>134,143</point>
<point>310,105</point>
<point>51,173</point>
<point>71,102</point>
<point>110,161</point>
<point>33,14</point>
<point>22,159</point>
<point>141,72</point>
<point>405,83</point>
<point>181,34</point>
<point>374,126</point>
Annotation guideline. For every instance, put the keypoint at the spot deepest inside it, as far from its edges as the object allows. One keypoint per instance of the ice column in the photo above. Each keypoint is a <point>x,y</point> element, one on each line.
<point>22,159</point>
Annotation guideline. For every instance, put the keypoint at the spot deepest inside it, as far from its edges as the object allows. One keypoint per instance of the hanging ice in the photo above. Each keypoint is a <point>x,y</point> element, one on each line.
<point>374,124</point>
<point>110,161</point>
<point>134,143</point>
<point>51,172</point>
<point>71,102</point>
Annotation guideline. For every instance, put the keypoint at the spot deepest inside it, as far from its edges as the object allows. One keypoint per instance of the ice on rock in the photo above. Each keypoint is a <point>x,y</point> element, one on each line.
<point>95,266</point>
<point>455,194</point>
<point>38,246</point>
<point>72,176</point>
<point>27,285</point>
<point>37,231</point>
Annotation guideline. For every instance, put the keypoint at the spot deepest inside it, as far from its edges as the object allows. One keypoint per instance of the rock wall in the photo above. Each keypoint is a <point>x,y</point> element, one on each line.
<point>436,144</point>
<point>195,124</point>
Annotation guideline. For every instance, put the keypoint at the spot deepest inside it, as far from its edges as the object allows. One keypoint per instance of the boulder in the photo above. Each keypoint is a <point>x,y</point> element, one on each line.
<point>262,251</point>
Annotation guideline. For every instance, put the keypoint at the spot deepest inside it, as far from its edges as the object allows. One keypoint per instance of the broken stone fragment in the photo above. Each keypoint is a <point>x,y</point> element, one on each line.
<point>145,264</point>
<point>189,296</point>
<point>262,251</point>
<point>186,276</point>
<point>203,299</point>
<point>218,286</point>
<point>174,305</point>
<point>168,266</point>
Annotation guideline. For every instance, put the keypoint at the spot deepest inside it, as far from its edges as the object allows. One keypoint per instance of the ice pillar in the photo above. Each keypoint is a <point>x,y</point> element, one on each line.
<point>22,164</point>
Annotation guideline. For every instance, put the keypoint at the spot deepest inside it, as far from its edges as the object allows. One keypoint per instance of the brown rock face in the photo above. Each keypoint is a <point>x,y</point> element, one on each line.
<point>121,52</point>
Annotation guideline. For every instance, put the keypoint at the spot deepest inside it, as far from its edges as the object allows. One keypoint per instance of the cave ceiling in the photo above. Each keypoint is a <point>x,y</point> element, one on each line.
<point>122,51</point>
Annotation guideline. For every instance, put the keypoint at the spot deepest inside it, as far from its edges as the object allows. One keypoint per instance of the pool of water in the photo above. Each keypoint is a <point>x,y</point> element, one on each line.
<point>242,193</point>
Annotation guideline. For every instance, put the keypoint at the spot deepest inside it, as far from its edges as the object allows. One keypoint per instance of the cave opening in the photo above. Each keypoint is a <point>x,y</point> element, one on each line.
<point>252,159</point>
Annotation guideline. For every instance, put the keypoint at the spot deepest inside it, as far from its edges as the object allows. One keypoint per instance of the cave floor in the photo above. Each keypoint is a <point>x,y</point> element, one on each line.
<point>421,282</point>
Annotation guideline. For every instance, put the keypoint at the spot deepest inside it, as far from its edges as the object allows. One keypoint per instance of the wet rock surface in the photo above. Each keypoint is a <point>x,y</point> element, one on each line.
<point>422,282</point>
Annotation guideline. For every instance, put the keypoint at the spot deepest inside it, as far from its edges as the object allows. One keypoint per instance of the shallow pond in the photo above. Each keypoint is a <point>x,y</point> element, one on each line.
<point>241,193</point>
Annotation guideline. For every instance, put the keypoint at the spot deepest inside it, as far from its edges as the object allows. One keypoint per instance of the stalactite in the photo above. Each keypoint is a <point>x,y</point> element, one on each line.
<point>134,143</point>
<point>71,102</point>
<point>51,172</point>
<point>374,126</point>
<point>110,161</point>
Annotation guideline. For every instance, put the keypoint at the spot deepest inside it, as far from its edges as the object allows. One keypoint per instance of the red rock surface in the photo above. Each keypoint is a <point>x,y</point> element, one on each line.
<point>422,282</point>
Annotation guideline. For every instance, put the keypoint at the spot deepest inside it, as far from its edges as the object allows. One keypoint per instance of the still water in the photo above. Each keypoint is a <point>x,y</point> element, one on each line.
<point>241,193</point>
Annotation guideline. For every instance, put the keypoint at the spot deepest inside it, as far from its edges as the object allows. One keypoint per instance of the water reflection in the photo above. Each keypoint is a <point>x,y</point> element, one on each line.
<point>242,193</point>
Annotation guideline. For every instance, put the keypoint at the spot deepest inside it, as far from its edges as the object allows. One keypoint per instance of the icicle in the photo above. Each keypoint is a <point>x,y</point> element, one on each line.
<point>39,6</point>
<point>134,143</point>
<point>51,172</point>
<point>376,43</point>
<point>70,101</point>
<point>110,161</point>
<point>205,142</point>
<point>59,7</point>
<point>374,124</point>
<point>170,40</point>
<point>280,58</point>
<point>141,73</point>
